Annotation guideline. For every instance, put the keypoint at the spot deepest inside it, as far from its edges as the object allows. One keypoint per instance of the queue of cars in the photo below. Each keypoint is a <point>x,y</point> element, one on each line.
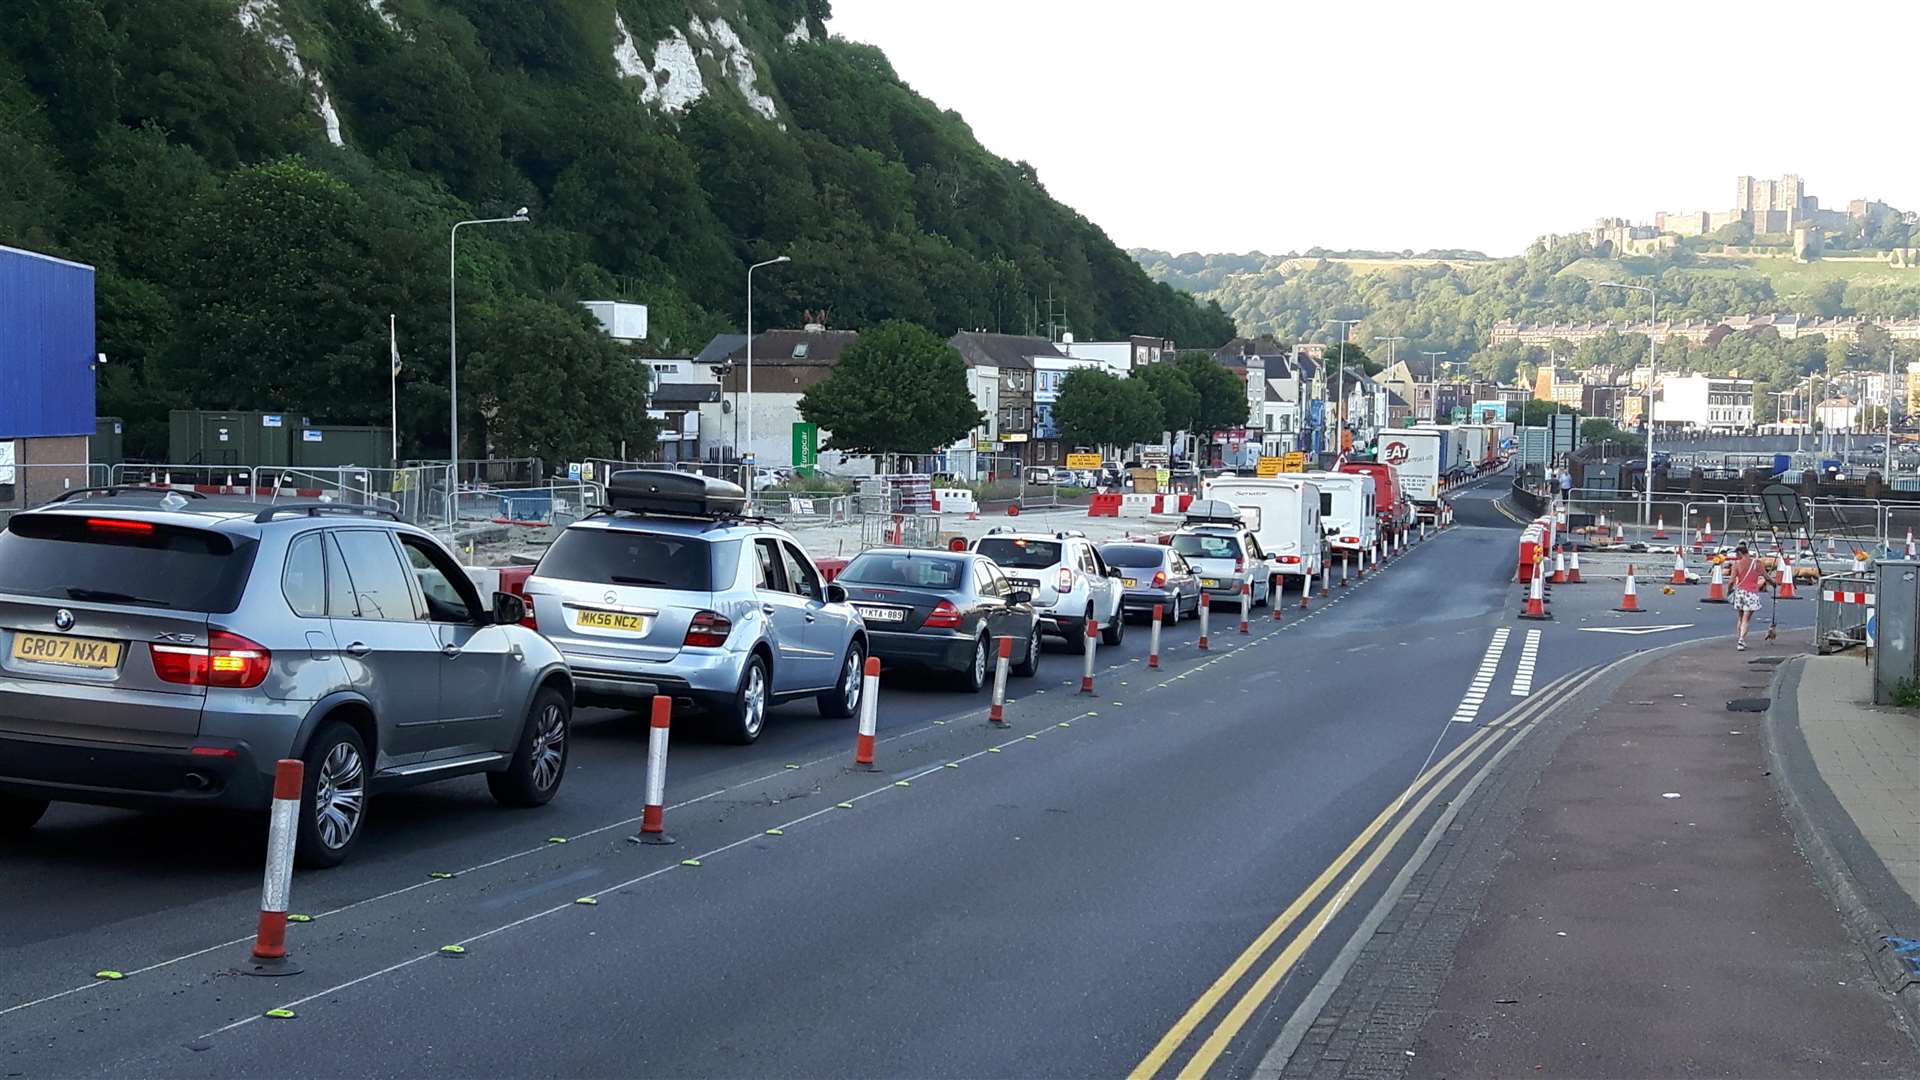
<point>168,648</point>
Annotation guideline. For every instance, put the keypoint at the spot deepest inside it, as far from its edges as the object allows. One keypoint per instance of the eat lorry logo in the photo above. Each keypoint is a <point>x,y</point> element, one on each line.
<point>1397,453</point>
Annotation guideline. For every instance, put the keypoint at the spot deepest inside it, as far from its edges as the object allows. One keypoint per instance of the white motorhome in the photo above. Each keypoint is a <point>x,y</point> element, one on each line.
<point>1348,510</point>
<point>1283,513</point>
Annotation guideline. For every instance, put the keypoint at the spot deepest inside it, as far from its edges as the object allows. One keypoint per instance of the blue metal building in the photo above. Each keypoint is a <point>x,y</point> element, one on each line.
<point>46,346</point>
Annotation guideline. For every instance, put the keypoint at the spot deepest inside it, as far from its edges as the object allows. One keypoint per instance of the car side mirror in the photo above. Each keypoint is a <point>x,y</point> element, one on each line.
<point>508,609</point>
<point>836,593</point>
<point>1019,596</point>
<point>1113,571</point>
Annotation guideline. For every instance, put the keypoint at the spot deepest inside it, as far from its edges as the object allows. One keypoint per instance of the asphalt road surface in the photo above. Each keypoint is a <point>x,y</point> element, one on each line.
<point>1142,881</point>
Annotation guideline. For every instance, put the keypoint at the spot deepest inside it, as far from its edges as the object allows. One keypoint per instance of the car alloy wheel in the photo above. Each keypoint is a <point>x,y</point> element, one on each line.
<point>851,682</point>
<point>753,700</point>
<point>980,662</point>
<point>340,796</point>
<point>549,747</point>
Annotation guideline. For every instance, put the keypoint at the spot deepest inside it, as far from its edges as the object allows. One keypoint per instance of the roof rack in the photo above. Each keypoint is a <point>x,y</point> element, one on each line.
<point>316,509</point>
<point>122,489</point>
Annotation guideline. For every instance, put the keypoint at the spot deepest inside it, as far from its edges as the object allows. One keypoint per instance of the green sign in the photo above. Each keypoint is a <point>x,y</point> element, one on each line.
<point>806,448</point>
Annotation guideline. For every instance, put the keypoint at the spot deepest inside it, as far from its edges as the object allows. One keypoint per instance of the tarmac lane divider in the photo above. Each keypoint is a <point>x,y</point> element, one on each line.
<point>997,712</point>
<point>269,953</point>
<point>870,713</point>
<point>653,825</point>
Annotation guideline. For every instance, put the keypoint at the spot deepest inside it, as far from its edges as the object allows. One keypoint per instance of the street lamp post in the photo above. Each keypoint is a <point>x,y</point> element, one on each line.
<point>453,353</point>
<point>1653,381</point>
<point>750,270</point>
<point>1433,381</point>
<point>1886,472</point>
<point>1340,387</point>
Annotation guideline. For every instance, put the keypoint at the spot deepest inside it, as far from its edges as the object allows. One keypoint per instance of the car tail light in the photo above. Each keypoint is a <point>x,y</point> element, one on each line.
<point>532,618</point>
<point>1066,579</point>
<point>227,660</point>
<point>944,616</point>
<point>1349,539</point>
<point>708,630</point>
<point>1239,566</point>
<point>1290,560</point>
<point>1159,578</point>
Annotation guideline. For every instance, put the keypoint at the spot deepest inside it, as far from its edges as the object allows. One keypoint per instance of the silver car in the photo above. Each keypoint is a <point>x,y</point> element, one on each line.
<point>160,649</point>
<point>671,591</point>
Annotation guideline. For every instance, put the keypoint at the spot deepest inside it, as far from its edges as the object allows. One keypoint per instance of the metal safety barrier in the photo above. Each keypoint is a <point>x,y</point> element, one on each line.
<point>1845,601</point>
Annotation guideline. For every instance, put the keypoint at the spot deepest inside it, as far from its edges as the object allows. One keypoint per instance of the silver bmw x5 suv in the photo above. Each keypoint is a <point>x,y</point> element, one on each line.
<point>157,648</point>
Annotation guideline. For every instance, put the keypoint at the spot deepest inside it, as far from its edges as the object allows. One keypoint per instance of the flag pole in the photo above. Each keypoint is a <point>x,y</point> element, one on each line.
<point>393,377</point>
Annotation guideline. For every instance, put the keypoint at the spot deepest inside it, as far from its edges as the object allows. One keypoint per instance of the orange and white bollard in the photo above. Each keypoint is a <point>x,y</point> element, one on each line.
<point>1306,587</point>
<point>653,825</point>
<point>1343,569</point>
<point>1573,567</point>
<point>1910,547</point>
<point>997,713</point>
<point>1246,604</point>
<point>1630,599</point>
<point>1679,569</point>
<point>869,713</point>
<point>1559,566</point>
<point>1206,609</point>
<point>1153,638</point>
<point>1536,599</point>
<point>1093,643</point>
<point>1716,587</point>
<point>1276,592</point>
<point>276,890</point>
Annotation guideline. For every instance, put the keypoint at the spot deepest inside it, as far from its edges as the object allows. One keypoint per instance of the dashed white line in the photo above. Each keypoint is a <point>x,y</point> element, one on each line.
<point>1529,656</point>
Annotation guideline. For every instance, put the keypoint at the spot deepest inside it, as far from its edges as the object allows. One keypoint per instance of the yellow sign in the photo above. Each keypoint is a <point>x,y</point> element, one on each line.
<point>1083,461</point>
<point>1269,466</point>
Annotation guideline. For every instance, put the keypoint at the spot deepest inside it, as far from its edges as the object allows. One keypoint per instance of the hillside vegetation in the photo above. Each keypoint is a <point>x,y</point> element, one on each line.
<point>262,182</point>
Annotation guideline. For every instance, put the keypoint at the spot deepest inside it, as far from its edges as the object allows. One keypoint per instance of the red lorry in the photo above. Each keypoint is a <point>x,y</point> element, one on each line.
<point>1396,514</point>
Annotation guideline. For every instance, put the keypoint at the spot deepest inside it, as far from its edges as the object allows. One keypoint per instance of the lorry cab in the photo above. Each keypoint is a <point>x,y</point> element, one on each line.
<point>1390,503</point>
<point>1348,510</point>
<point>1283,513</point>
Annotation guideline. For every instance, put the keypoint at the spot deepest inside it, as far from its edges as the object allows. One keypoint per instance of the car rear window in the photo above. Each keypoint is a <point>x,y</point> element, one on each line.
<point>1021,554</point>
<point>1207,546</point>
<point>631,557</point>
<point>1133,554</point>
<point>123,561</point>
<point>907,571</point>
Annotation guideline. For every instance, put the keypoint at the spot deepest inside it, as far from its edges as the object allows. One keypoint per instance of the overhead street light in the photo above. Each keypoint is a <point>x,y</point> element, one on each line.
<point>750,270</point>
<point>519,217</point>
<point>1340,388</point>
<point>1653,381</point>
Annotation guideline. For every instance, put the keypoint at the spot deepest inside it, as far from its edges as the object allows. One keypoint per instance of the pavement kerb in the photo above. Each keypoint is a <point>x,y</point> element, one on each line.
<point>1806,800</point>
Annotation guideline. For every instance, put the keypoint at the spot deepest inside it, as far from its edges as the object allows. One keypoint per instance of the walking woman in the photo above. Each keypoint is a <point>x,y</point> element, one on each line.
<point>1749,580</point>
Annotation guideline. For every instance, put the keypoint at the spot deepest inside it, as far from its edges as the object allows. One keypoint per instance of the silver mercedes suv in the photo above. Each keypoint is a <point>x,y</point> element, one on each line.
<point>672,591</point>
<point>166,648</point>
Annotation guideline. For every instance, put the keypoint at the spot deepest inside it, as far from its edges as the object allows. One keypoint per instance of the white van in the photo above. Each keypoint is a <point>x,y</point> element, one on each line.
<point>1283,513</point>
<point>1348,510</point>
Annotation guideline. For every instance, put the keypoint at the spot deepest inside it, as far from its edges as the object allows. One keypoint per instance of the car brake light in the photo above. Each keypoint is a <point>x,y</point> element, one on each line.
<point>1290,560</point>
<point>944,616</point>
<point>1239,566</point>
<point>227,660</point>
<point>119,525</point>
<point>1066,579</point>
<point>1349,539</point>
<point>531,620</point>
<point>708,630</point>
<point>1159,578</point>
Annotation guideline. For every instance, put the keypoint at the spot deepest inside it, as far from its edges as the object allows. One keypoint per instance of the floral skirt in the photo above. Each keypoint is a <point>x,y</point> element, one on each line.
<point>1745,601</point>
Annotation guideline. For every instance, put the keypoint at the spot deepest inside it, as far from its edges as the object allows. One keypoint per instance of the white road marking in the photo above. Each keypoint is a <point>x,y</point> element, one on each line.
<point>1529,657</point>
<point>1476,694</point>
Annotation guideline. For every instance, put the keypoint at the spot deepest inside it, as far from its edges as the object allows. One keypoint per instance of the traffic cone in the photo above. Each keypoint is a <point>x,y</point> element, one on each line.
<point>1629,600</point>
<point>1679,569</point>
<point>1559,566</point>
<point>1716,587</point>
<point>1831,553</point>
<point>1706,533</point>
<point>1660,530</point>
<point>1619,533</point>
<point>1784,590</point>
<point>1910,549</point>
<point>1573,567</point>
<point>1536,601</point>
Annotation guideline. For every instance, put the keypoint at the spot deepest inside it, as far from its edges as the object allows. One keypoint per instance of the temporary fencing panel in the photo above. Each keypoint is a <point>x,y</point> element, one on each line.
<point>1845,601</point>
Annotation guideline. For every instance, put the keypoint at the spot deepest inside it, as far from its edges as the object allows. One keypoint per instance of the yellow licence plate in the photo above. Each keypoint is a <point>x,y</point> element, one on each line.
<point>1128,582</point>
<point>1211,583</point>
<point>612,620</point>
<point>66,651</point>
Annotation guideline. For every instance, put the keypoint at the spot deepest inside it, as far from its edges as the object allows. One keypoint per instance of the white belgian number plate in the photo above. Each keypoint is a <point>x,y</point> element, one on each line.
<point>882,614</point>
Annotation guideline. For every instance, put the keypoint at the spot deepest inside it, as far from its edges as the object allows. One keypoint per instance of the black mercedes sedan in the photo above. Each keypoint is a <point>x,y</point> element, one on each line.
<point>942,611</point>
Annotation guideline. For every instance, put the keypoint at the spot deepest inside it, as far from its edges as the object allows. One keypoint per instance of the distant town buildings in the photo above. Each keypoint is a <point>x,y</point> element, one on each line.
<point>1701,331</point>
<point>1705,402</point>
<point>1778,209</point>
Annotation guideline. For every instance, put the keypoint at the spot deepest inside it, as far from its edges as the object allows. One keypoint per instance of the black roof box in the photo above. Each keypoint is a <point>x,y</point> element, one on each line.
<point>679,494</point>
<point>1213,512</point>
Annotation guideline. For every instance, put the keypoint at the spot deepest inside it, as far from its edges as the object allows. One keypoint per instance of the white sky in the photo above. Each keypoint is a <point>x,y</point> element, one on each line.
<point>1406,123</point>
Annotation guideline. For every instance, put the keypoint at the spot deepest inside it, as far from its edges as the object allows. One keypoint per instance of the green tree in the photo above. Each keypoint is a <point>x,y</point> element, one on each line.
<point>1222,394</point>
<point>898,389</point>
<point>1537,413</point>
<point>1098,409</point>
<point>541,380</point>
<point>1179,401</point>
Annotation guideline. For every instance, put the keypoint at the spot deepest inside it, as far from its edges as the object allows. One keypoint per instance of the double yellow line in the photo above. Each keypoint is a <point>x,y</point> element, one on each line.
<point>1434,781</point>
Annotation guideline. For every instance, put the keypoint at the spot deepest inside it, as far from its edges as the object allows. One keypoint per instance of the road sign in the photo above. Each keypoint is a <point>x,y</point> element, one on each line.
<point>1083,461</point>
<point>1268,466</point>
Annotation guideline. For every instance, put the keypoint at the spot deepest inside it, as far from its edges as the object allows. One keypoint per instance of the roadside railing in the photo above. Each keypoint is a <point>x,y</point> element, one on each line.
<point>26,484</point>
<point>900,530</point>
